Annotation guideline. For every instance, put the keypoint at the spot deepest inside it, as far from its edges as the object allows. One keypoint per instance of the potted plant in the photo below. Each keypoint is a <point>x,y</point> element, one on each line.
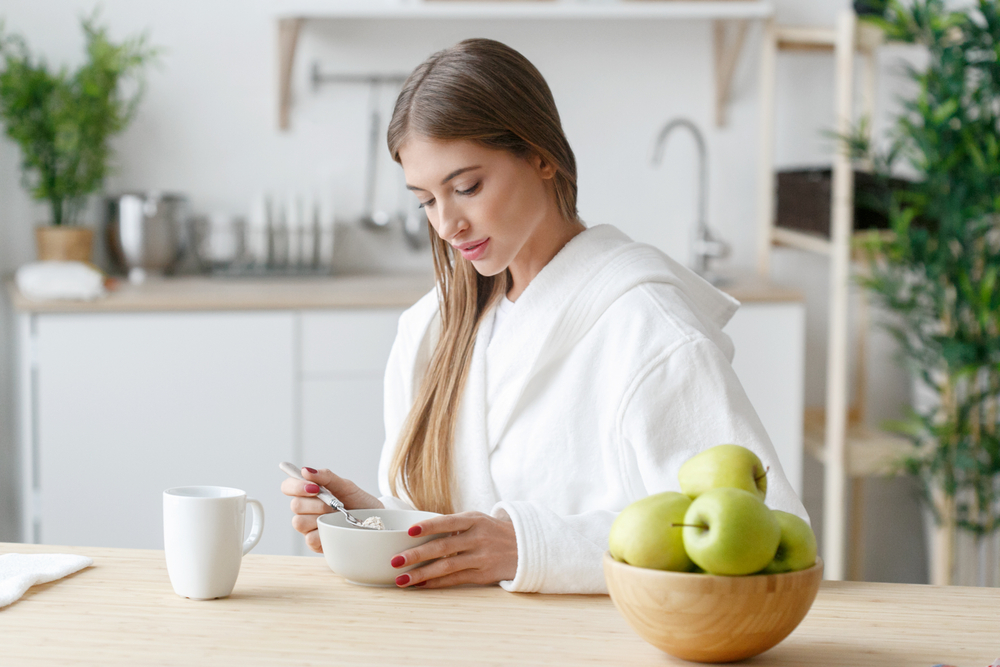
<point>63,122</point>
<point>938,271</point>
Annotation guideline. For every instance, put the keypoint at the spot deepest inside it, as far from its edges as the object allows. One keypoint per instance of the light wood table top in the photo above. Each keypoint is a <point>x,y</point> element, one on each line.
<point>289,610</point>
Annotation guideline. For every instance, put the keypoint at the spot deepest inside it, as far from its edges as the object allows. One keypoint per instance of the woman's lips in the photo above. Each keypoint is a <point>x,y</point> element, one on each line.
<point>474,252</point>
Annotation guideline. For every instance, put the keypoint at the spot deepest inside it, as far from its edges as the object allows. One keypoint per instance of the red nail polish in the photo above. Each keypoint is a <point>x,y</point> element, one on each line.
<point>402,580</point>
<point>310,470</point>
<point>312,488</point>
<point>398,561</point>
<point>413,531</point>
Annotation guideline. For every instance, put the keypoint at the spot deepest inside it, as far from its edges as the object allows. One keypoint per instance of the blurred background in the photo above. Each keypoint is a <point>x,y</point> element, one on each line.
<point>208,128</point>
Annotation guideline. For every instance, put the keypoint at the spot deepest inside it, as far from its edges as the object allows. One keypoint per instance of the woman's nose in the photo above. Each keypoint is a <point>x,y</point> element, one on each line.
<point>451,222</point>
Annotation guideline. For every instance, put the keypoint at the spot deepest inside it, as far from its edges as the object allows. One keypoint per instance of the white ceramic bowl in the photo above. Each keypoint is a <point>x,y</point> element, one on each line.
<point>362,556</point>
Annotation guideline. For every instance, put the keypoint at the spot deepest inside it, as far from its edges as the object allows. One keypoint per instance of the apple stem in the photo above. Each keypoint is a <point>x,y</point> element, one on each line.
<point>689,525</point>
<point>763,475</point>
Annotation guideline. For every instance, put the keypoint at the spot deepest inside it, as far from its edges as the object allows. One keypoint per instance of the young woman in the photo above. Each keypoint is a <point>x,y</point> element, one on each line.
<point>556,373</point>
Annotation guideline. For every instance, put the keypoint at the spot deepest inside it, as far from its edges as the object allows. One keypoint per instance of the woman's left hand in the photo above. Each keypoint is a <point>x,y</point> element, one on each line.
<point>481,549</point>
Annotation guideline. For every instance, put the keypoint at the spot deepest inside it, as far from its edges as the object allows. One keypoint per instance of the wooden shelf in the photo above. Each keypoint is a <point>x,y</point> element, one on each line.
<point>804,38</point>
<point>556,9</point>
<point>870,451</point>
<point>291,15</point>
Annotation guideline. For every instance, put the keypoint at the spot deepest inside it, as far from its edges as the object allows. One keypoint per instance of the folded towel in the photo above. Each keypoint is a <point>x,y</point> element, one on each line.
<point>19,572</point>
<point>60,280</point>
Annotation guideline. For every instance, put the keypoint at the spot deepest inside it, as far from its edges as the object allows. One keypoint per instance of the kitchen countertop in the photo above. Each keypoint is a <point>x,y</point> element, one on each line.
<point>288,610</point>
<point>187,293</point>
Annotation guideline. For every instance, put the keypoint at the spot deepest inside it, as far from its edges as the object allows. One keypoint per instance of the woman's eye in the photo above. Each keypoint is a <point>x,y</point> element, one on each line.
<point>426,203</point>
<point>470,190</point>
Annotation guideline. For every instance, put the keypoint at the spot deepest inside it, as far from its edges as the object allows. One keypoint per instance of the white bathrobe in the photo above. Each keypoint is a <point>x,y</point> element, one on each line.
<point>610,371</point>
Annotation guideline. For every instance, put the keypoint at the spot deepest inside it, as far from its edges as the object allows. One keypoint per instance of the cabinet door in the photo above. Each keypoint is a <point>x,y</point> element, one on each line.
<point>344,353</point>
<point>770,363</point>
<point>131,404</point>
<point>342,427</point>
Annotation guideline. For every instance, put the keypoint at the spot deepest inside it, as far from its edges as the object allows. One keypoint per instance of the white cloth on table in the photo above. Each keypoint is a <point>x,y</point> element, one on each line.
<point>19,572</point>
<point>39,281</point>
<point>610,371</point>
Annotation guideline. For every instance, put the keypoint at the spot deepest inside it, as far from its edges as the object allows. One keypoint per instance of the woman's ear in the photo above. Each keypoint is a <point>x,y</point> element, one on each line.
<point>545,169</point>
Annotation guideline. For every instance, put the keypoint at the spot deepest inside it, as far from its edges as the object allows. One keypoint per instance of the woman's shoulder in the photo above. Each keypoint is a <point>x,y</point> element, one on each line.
<point>653,319</point>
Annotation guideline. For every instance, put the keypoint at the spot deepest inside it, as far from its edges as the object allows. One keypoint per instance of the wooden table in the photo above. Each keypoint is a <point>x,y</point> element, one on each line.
<point>290,610</point>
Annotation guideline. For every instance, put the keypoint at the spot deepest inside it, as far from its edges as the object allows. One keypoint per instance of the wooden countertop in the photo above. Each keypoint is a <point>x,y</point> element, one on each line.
<point>290,610</point>
<point>189,293</point>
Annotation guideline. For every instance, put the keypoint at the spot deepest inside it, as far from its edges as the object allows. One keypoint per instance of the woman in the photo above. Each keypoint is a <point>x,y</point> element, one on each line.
<point>557,373</point>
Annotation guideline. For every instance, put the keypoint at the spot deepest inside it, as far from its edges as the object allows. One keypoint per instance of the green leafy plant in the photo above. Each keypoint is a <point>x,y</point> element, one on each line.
<point>63,120</point>
<point>937,271</point>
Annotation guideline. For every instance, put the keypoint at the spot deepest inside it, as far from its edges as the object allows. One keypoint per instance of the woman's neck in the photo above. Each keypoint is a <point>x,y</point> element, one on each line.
<point>524,269</point>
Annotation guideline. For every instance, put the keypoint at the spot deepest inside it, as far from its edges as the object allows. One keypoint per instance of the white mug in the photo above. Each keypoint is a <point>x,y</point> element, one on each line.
<point>203,538</point>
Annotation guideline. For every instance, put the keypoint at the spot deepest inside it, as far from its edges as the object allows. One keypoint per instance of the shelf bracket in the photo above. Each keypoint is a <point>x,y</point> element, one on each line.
<point>727,52</point>
<point>288,39</point>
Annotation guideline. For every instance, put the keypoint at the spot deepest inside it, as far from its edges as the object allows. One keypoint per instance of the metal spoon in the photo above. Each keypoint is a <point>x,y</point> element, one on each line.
<point>292,470</point>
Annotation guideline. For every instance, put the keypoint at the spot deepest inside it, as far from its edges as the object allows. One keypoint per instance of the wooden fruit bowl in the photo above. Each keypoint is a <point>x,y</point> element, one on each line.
<point>706,618</point>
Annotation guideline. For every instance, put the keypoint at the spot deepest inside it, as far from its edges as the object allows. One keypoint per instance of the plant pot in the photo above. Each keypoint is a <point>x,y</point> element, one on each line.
<point>65,244</point>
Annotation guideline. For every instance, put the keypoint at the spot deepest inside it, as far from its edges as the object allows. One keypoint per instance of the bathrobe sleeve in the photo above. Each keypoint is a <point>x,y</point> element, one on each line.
<point>683,402</point>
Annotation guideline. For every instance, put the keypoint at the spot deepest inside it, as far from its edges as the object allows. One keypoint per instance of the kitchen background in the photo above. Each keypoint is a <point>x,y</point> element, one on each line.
<point>208,127</point>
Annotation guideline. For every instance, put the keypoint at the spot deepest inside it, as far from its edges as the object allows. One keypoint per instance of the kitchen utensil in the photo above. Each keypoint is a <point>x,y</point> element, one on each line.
<point>371,218</point>
<point>145,231</point>
<point>365,556</point>
<point>293,471</point>
<point>203,538</point>
<point>707,618</point>
<point>219,241</point>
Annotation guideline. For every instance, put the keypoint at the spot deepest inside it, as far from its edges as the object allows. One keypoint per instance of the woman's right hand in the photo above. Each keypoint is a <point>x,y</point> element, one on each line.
<point>306,507</point>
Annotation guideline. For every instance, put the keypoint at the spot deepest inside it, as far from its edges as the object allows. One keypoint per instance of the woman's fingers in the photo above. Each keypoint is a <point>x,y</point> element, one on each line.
<point>346,491</point>
<point>301,505</point>
<point>478,549</point>
<point>448,523</point>
<point>457,569</point>
<point>312,541</point>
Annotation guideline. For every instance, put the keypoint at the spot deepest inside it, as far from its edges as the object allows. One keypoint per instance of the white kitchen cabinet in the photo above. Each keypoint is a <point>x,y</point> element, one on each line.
<point>125,405</point>
<point>769,338</point>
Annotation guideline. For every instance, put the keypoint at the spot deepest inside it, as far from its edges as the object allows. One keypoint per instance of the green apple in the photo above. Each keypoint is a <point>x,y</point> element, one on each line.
<point>723,465</point>
<point>643,533</point>
<point>797,546</point>
<point>730,531</point>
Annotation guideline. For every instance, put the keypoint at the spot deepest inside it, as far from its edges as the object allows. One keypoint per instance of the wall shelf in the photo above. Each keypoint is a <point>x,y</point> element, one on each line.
<point>730,17</point>
<point>561,9</point>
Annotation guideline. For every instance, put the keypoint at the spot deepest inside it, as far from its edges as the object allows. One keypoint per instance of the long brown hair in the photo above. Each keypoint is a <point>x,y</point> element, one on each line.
<point>482,91</point>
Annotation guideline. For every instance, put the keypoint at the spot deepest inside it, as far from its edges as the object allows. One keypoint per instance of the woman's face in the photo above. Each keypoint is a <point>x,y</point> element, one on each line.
<point>497,210</point>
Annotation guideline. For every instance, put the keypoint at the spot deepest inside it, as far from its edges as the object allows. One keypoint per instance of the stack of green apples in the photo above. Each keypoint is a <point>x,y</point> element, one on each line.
<point>718,524</point>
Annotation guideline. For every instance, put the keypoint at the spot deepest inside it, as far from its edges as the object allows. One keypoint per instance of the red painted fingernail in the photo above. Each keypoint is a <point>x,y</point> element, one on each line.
<point>398,561</point>
<point>413,531</point>
<point>310,470</point>
<point>312,488</point>
<point>420,584</point>
<point>402,580</point>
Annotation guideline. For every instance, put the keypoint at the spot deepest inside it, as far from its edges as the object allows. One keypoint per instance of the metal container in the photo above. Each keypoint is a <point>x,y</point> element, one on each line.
<point>146,231</point>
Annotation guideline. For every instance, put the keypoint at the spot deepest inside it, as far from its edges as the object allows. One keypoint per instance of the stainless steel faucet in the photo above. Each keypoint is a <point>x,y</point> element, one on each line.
<point>706,246</point>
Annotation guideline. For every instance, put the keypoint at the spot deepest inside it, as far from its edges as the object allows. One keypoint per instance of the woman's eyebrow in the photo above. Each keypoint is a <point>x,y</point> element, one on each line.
<point>448,177</point>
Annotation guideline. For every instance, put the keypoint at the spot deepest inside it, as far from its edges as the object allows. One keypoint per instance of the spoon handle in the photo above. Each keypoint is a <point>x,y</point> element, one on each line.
<point>324,494</point>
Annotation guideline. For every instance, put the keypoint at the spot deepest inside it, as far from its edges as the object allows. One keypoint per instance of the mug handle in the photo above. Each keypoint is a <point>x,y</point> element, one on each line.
<point>257,528</point>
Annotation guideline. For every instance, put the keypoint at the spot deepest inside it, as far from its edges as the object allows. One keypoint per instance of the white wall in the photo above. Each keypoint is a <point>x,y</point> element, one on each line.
<point>207,127</point>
